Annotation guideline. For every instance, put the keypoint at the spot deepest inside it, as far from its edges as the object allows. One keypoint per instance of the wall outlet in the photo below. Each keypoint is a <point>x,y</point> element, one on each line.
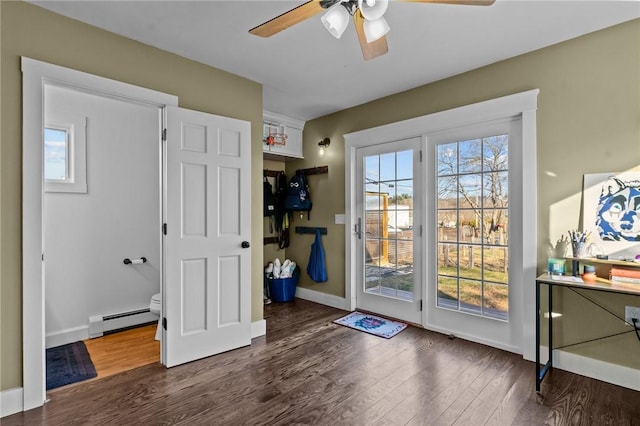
<point>632,312</point>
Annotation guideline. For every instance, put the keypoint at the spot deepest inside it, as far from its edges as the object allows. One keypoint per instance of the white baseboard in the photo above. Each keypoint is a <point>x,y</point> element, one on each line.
<point>322,298</point>
<point>258,328</point>
<point>75,334</point>
<point>69,335</point>
<point>11,402</point>
<point>596,369</point>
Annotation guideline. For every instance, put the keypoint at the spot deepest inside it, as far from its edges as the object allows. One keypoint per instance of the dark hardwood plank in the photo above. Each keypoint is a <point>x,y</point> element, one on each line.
<point>310,371</point>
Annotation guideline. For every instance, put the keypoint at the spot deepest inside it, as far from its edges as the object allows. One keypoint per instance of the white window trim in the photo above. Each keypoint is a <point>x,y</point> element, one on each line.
<point>523,105</point>
<point>75,126</point>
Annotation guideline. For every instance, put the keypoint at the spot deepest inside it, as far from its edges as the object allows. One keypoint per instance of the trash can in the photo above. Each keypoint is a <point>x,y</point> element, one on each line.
<point>284,289</point>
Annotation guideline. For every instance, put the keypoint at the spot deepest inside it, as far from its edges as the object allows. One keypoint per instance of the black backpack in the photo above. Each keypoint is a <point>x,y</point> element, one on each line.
<point>298,198</point>
<point>270,204</point>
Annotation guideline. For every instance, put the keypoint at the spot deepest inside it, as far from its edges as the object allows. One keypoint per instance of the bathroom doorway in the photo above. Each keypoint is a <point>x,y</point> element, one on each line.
<point>205,232</point>
<point>101,221</point>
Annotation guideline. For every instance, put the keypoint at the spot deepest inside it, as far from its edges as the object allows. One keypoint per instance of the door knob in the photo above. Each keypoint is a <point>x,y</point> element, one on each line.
<point>245,244</point>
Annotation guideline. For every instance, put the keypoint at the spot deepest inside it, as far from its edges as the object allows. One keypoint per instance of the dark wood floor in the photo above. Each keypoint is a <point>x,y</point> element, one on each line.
<point>308,370</point>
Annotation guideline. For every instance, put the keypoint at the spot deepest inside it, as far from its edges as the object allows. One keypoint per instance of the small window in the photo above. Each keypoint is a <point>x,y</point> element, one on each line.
<point>64,152</point>
<point>56,154</point>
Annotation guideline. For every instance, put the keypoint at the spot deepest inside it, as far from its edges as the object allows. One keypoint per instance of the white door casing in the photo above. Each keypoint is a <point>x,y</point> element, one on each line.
<point>207,285</point>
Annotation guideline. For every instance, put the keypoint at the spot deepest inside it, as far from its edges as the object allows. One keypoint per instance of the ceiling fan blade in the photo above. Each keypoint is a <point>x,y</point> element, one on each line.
<point>465,2</point>
<point>288,19</point>
<point>373,49</point>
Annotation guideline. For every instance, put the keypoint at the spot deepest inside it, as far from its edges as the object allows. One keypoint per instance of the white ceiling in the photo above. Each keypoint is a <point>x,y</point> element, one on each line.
<point>307,73</point>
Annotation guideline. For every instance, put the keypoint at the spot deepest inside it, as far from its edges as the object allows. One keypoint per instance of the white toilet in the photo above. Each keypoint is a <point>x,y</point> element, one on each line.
<point>154,308</point>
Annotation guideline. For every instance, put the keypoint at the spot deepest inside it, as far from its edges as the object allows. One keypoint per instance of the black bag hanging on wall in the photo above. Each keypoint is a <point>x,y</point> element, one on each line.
<point>298,198</point>
<point>269,199</point>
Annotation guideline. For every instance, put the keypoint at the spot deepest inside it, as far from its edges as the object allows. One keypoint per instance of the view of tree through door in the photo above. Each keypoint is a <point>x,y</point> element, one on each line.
<point>472,226</point>
<point>388,229</point>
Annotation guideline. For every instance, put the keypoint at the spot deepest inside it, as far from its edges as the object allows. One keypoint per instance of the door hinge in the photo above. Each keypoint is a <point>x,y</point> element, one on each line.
<point>164,323</point>
<point>421,305</point>
<point>43,257</point>
<point>421,156</point>
<point>164,228</point>
<point>164,134</point>
<point>421,230</point>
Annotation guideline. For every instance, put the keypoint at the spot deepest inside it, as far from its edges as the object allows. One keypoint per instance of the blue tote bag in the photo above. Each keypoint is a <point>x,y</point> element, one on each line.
<point>316,267</point>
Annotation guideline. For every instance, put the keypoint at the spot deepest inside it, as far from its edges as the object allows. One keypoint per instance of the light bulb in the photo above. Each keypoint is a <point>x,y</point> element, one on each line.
<point>373,30</point>
<point>336,20</point>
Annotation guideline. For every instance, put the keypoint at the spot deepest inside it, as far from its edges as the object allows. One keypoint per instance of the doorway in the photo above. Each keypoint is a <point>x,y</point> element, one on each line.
<point>101,206</point>
<point>207,293</point>
<point>389,229</point>
<point>517,113</point>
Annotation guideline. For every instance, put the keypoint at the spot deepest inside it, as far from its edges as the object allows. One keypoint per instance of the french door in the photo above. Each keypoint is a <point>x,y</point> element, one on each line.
<point>389,229</point>
<point>470,220</point>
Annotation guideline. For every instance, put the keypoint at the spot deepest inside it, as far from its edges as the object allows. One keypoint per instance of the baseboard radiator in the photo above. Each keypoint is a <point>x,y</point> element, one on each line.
<point>101,325</point>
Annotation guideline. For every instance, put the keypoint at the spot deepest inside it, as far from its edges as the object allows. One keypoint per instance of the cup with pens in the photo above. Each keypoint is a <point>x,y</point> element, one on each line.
<point>579,241</point>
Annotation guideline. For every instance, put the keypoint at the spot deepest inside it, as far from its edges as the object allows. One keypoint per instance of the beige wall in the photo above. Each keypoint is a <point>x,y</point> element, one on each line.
<point>588,122</point>
<point>27,30</point>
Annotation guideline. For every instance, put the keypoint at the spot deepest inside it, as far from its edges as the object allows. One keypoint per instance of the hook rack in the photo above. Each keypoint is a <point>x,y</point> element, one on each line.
<point>314,170</point>
<point>270,173</point>
<point>310,230</point>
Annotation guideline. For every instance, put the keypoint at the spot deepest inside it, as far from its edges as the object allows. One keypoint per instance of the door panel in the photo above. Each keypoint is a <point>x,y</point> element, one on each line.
<point>388,193</point>
<point>207,300</point>
<point>471,292</point>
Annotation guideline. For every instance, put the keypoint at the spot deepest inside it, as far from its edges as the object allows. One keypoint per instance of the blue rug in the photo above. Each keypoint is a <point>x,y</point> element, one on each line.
<point>372,324</point>
<point>68,364</point>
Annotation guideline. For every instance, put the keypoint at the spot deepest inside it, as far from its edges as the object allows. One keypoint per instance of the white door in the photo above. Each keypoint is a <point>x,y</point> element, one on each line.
<point>472,213</point>
<point>207,288</point>
<point>388,226</point>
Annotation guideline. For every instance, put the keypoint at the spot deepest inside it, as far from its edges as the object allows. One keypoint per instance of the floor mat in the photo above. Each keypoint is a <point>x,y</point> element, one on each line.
<point>68,364</point>
<point>372,324</point>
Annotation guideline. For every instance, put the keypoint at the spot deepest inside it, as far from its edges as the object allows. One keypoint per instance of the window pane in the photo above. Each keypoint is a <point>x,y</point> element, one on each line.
<point>496,262</point>
<point>447,225</point>
<point>388,167</point>
<point>371,169</point>
<point>448,159</point>
<point>470,262</point>
<point>448,192</point>
<point>495,153</point>
<point>448,259</point>
<point>470,156</point>
<point>470,191</point>
<point>471,296</point>
<point>404,165</point>
<point>448,292</point>
<point>496,301</point>
<point>496,190</point>
<point>495,227</point>
<point>56,154</point>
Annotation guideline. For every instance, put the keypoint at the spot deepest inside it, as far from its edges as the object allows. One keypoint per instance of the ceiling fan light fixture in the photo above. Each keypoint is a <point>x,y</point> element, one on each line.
<point>373,9</point>
<point>373,30</point>
<point>336,20</point>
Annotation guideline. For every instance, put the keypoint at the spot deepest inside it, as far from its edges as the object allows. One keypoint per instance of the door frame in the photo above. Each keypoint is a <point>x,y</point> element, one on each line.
<point>384,305</point>
<point>524,105</point>
<point>35,75</point>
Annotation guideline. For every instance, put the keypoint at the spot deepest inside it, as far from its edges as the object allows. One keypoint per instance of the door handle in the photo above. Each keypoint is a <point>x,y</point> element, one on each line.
<point>245,244</point>
<point>358,228</point>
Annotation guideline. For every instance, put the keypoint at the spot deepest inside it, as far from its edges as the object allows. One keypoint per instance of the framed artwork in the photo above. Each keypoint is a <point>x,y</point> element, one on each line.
<point>611,212</point>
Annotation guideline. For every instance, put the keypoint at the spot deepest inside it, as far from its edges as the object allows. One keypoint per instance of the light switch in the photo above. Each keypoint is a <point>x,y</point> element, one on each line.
<point>339,219</point>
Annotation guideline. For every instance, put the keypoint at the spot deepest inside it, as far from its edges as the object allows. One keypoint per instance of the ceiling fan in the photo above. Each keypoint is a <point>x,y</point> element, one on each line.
<point>368,19</point>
